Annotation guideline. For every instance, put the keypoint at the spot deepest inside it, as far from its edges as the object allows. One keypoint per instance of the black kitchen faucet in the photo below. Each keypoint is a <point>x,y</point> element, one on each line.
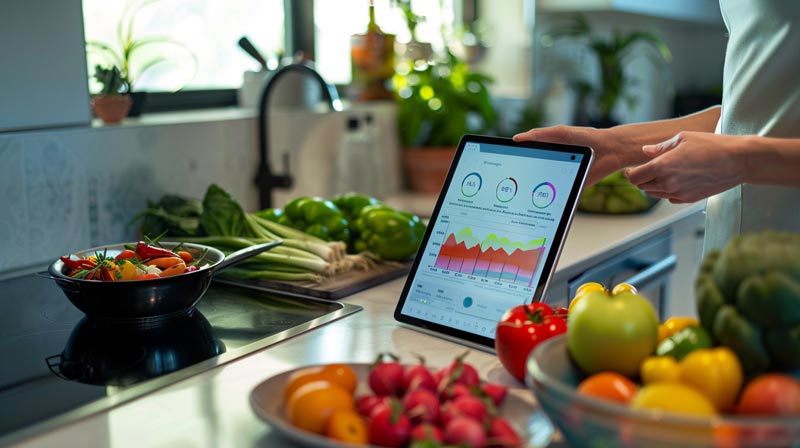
<point>265,179</point>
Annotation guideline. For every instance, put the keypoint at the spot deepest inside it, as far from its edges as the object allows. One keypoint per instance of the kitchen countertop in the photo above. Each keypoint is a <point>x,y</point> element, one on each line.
<point>213,409</point>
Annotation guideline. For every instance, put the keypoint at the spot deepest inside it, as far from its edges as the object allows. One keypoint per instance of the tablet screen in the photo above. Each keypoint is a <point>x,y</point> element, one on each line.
<point>494,236</point>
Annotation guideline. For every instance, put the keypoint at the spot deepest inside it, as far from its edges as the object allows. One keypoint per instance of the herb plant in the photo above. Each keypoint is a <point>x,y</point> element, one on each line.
<point>612,55</point>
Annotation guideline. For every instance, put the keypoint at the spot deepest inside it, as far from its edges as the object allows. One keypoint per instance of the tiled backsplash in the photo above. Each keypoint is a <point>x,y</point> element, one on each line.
<point>71,189</point>
<point>66,190</point>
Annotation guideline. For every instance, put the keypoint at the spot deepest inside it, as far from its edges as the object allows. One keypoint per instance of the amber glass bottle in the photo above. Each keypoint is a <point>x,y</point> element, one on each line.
<point>372,56</point>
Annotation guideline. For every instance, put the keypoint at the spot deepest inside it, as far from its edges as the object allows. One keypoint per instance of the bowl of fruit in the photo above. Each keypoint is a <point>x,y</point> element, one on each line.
<point>387,403</point>
<point>729,377</point>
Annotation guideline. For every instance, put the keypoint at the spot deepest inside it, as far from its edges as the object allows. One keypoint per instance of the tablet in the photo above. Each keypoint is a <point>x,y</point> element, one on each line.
<point>494,237</point>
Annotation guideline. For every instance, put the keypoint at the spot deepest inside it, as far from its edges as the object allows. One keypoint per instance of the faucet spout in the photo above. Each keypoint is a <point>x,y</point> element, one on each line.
<point>265,179</point>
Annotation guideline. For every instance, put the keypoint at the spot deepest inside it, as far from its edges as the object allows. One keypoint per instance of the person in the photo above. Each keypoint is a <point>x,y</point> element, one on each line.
<point>743,154</point>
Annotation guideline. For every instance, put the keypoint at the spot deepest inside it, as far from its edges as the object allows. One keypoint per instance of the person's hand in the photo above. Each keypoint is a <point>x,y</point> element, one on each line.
<point>690,166</point>
<point>606,161</point>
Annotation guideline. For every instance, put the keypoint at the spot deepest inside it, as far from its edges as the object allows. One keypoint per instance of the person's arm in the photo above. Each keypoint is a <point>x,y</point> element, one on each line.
<point>695,165</point>
<point>639,134</point>
<point>621,146</point>
<point>771,161</point>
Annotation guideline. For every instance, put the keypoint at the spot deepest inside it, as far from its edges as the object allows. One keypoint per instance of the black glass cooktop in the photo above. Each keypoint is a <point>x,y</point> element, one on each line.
<point>57,365</point>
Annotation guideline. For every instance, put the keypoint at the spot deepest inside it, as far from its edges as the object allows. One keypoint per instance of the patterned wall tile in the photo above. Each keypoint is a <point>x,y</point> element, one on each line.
<point>13,206</point>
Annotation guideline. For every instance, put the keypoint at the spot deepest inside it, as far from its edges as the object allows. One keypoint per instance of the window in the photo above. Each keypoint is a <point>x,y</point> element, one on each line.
<point>206,55</point>
<point>336,21</point>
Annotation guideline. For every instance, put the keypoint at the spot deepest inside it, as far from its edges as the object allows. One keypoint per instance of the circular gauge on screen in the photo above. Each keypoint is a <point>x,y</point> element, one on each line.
<point>543,195</point>
<point>506,189</point>
<point>471,184</point>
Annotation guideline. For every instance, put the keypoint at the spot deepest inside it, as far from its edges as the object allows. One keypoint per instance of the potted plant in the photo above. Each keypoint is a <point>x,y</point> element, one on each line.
<point>135,55</point>
<point>597,101</point>
<point>113,102</point>
<point>439,101</point>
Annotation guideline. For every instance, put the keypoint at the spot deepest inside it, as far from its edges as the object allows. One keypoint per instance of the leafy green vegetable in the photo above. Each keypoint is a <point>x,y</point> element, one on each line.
<point>174,215</point>
<point>222,215</point>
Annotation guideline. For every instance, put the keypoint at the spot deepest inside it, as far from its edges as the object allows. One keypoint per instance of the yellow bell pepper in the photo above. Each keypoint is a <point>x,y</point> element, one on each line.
<point>659,368</point>
<point>674,325</point>
<point>715,372</point>
<point>127,270</point>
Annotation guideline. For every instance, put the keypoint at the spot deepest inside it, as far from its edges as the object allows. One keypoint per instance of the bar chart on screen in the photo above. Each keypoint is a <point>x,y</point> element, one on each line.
<point>485,254</point>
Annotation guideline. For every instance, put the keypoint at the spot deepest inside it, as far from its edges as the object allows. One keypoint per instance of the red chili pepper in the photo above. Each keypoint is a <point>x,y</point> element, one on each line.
<point>146,251</point>
<point>77,265</point>
<point>125,254</point>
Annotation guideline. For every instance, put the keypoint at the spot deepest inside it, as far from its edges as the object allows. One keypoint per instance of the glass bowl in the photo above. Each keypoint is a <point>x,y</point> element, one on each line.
<point>589,422</point>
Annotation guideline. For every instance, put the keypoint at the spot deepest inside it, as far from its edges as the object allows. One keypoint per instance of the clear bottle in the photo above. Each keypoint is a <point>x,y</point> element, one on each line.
<point>354,164</point>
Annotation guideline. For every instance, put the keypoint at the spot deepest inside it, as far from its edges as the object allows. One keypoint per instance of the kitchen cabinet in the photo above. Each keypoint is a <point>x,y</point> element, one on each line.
<point>647,266</point>
<point>691,11</point>
<point>662,264</point>
<point>44,77</point>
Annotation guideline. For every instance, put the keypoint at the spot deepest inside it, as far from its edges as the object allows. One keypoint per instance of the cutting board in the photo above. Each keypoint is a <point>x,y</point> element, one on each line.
<point>340,285</point>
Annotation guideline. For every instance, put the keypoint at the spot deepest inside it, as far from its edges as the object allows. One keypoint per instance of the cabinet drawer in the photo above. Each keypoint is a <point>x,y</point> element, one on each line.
<point>647,266</point>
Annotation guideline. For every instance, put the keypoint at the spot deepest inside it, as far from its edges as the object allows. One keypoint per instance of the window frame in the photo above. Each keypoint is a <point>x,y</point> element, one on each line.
<point>299,39</point>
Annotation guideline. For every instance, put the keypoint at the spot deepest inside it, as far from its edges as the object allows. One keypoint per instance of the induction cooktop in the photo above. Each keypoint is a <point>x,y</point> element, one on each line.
<point>57,365</point>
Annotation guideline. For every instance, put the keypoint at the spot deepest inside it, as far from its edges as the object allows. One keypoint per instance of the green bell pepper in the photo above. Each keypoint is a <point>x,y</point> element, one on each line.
<point>270,214</point>
<point>317,216</point>
<point>683,342</point>
<point>390,234</point>
<point>351,204</point>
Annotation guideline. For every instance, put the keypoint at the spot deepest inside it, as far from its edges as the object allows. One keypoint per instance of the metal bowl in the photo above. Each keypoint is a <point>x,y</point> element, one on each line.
<point>153,299</point>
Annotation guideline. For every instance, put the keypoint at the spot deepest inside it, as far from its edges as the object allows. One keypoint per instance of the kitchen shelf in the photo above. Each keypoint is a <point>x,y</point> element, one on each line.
<point>691,11</point>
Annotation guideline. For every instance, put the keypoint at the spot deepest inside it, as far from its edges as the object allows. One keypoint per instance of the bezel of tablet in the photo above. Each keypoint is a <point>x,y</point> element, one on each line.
<point>474,339</point>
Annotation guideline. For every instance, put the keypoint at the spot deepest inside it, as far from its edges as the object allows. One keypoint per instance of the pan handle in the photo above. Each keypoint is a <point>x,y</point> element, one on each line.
<point>65,283</point>
<point>243,254</point>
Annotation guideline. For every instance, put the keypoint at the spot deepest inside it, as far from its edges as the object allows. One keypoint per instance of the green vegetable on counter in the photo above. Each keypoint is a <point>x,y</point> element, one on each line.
<point>390,234</point>
<point>614,194</point>
<point>351,204</point>
<point>316,216</point>
<point>748,296</point>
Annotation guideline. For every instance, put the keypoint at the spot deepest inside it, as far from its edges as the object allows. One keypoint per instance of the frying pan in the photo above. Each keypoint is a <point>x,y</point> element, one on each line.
<point>151,300</point>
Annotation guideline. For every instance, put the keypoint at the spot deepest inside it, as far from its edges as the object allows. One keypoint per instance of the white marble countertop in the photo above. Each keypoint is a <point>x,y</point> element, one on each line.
<point>212,409</point>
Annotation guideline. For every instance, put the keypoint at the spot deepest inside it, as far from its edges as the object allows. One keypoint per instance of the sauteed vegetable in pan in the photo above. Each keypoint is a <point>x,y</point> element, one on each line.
<point>140,262</point>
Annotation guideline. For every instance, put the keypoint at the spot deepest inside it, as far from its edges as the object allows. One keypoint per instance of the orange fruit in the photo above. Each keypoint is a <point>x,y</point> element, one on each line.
<point>311,405</point>
<point>339,374</point>
<point>347,426</point>
<point>609,386</point>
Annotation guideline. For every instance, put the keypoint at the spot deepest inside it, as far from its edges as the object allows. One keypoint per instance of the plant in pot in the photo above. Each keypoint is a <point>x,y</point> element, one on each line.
<point>135,55</point>
<point>614,194</point>
<point>113,102</point>
<point>438,102</point>
<point>613,54</point>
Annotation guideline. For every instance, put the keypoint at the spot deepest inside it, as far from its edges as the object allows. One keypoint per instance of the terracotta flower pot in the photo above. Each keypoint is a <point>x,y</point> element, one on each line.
<point>111,108</point>
<point>426,168</point>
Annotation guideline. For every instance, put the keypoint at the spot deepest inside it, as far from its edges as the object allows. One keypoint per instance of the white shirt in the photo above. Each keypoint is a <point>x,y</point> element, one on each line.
<point>761,96</point>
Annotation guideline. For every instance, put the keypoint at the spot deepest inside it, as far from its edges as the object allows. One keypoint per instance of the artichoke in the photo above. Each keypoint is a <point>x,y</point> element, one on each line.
<point>748,297</point>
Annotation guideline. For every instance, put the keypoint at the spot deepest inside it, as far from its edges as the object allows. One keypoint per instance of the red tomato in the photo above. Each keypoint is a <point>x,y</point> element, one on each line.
<point>771,394</point>
<point>520,330</point>
<point>609,386</point>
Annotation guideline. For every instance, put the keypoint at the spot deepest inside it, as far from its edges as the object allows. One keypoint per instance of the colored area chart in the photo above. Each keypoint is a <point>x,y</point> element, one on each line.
<point>494,257</point>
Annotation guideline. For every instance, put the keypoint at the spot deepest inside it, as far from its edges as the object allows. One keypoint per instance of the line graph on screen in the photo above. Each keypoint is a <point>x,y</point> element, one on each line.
<point>491,256</point>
